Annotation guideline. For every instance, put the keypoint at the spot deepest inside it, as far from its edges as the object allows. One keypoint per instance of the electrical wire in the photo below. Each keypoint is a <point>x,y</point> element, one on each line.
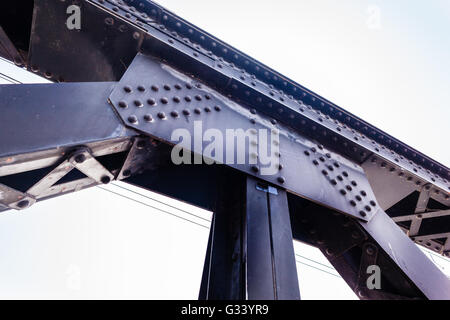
<point>8,78</point>
<point>159,201</point>
<point>314,261</point>
<point>187,220</point>
<point>159,209</point>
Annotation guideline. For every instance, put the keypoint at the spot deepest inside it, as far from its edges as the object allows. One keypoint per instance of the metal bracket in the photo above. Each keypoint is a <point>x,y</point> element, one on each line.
<point>81,159</point>
<point>15,199</point>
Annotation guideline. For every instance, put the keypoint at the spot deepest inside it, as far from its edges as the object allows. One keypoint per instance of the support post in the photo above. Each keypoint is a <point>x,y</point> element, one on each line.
<point>250,251</point>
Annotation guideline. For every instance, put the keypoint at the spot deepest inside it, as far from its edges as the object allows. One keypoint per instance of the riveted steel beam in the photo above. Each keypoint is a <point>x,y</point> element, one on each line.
<point>47,131</point>
<point>406,273</point>
<point>157,100</point>
<point>145,26</point>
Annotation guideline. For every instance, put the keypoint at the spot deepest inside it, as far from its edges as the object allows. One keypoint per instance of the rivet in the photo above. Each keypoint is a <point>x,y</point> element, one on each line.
<point>255,169</point>
<point>281,179</point>
<point>197,111</point>
<point>354,183</point>
<point>148,118</point>
<point>127,89</point>
<point>273,121</point>
<point>174,114</point>
<point>80,158</point>
<point>164,100</point>
<point>372,203</point>
<point>123,104</point>
<point>151,101</point>
<point>343,192</point>
<point>141,88</point>
<point>306,152</point>
<point>345,174</point>
<point>186,112</point>
<point>324,172</point>
<point>132,119</point>
<point>176,99</point>
<point>370,250</point>
<point>105,179</point>
<point>363,193</point>
<point>329,252</point>
<point>348,188</point>
<point>154,88</point>
<point>352,203</point>
<point>23,204</point>
<point>357,197</point>
<point>367,208</point>
<point>161,115</point>
<point>316,162</point>
<point>362,213</point>
<point>217,108</point>
<point>198,98</point>
<point>207,109</point>
<point>109,21</point>
<point>177,86</point>
<point>138,103</point>
<point>188,99</point>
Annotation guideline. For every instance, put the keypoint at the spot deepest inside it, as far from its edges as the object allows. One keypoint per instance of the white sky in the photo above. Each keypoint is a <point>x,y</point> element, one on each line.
<point>392,71</point>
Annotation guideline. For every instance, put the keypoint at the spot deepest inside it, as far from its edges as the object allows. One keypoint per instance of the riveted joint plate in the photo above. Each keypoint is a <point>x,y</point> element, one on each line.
<point>207,127</point>
<point>15,199</point>
<point>83,160</point>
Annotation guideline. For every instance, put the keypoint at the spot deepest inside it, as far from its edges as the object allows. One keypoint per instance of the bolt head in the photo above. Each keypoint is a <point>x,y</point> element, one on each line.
<point>370,250</point>
<point>80,158</point>
<point>105,179</point>
<point>126,173</point>
<point>23,204</point>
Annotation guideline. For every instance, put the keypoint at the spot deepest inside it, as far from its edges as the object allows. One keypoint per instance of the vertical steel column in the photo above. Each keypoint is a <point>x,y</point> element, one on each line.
<point>250,252</point>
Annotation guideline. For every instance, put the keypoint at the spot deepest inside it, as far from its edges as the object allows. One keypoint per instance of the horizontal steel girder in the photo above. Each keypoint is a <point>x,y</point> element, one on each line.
<point>117,29</point>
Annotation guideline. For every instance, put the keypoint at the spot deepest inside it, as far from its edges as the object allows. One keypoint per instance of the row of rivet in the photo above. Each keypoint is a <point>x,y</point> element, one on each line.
<point>348,187</point>
<point>289,96</point>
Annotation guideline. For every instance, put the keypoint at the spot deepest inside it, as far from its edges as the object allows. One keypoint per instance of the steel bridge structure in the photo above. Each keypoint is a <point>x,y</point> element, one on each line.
<point>134,73</point>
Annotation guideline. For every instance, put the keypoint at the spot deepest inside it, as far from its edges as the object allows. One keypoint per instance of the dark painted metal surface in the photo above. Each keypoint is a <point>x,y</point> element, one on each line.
<point>224,269</point>
<point>181,44</point>
<point>431,281</point>
<point>37,117</point>
<point>157,100</point>
<point>260,273</point>
<point>284,266</point>
<point>8,50</point>
<point>250,251</point>
<point>100,51</point>
<point>405,269</point>
<point>341,239</point>
<point>43,123</point>
<point>271,268</point>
